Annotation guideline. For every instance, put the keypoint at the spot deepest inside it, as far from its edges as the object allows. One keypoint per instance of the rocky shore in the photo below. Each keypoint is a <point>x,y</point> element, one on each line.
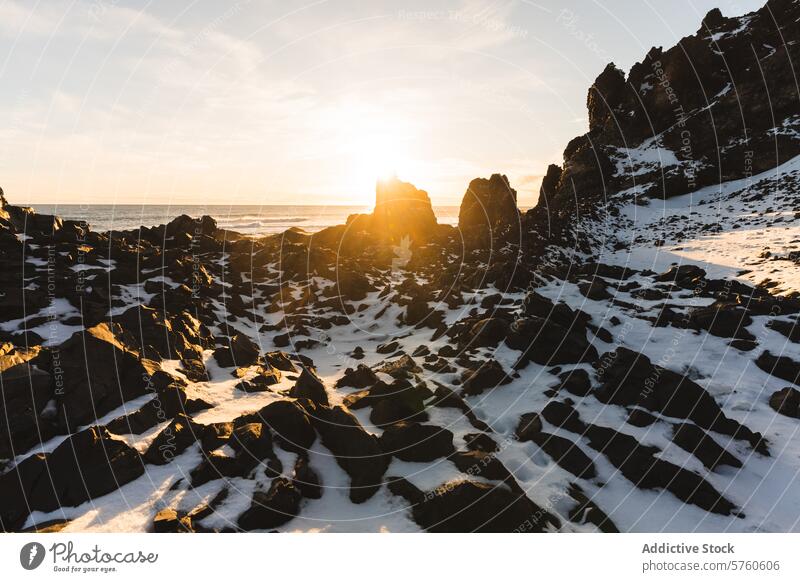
<point>569,368</point>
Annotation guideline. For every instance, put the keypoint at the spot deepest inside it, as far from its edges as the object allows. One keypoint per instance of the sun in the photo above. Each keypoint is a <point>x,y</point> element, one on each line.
<point>375,145</point>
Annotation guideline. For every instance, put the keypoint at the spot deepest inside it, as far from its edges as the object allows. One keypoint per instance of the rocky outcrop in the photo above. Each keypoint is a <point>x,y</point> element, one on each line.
<point>489,212</point>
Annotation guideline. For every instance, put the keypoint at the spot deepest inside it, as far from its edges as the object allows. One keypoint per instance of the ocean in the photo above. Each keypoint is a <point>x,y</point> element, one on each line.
<point>251,220</point>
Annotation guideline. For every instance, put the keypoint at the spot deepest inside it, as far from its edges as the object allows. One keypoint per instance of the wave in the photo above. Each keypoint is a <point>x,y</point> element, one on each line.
<point>259,220</point>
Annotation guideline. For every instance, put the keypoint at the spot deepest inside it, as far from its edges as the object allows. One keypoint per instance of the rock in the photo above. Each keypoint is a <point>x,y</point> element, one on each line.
<point>309,386</point>
<point>261,382</point>
<point>723,320</point>
<point>489,207</point>
<point>782,367</point>
<point>695,440</point>
<point>605,95</point>
<point>469,506</point>
<point>486,465</point>
<point>306,479</point>
<point>279,361</point>
<point>631,379</point>
<point>576,382</point>
<point>290,422</point>
<point>480,442</point>
<point>356,451</point>
<point>98,374</point>
<point>409,441</point>
<point>279,505</point>
<point>403,368</point>
<point>596,289</point>
<point>240,352</point>
<point>786,402</point>
<point>401,210</point>
<point>587,511</point>
<point>566,454</point>
<point>89,464</point>
<point>685,276</point>
<point>361,377</point>
<point>399,409</point>
<point>26,391</point>
<point>548,343</point>
<point>489,375</point>
<point>489,332</point>
<point>175,438</point>
<point>530,424</point>
<point>640,418</point>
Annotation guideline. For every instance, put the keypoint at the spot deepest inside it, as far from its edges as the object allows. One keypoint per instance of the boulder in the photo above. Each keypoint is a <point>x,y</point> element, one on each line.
<point>240,352</point>
<point>410,441</point>
<point>470,506</point>
<point>489,206</point>
<point>549,343</point>
<point>356,451</point>
<point>273,508</point>
<point>786,402</point>
<point>488,375</point>
<point>310,386</point>
<point>782,367</point>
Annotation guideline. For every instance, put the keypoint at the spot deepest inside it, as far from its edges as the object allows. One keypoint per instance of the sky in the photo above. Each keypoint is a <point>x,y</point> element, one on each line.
<point>305,102</point>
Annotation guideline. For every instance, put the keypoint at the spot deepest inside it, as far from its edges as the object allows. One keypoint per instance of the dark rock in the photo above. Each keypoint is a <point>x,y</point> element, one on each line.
<point>480,442</point>
<point>309,386</point>
<point>175,438</point>
<point>306,479</point>
<point>279,505</point>
<point>489,332</point>
<point>489,375</point>
<point>695,440</point>
<point>566,454</point>
<point>548,343</point>
<point>469,506</point>
<point>416,442</point>
<point>240,352</point>
<point>361,377</point>
<point>576,382</point>
<point>290,422</point>
<point>356,451</point>
<point>786,402</point>
<point>782,367</point>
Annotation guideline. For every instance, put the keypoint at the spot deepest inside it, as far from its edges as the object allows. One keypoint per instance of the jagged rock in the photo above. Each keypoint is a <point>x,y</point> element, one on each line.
<point>361,377</point>
<point>629,379</point>
<point>98,373</point>
<point>309,386</point>
<point>306,479</point>
<point>548,343</point>
<point>488,211</point>
<point>489,332</point>
<point>240,352</point>
<point>695,440</point>
<point>175,438</point>
<point>489,374</point>
<point>87,465</point>
<point>356,451</point>
<point>272,509</point>
<point>469,506</point>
